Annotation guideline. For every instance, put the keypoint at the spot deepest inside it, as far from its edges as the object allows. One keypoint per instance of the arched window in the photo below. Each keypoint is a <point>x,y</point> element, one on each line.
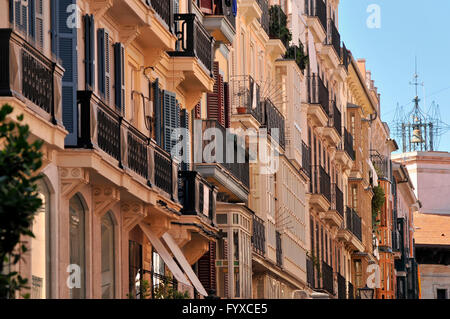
<point>40,250</point>
<point>108,282</point>
<point>77,247</point>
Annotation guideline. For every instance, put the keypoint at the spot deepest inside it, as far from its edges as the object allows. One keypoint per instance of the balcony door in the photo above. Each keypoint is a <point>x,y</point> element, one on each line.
<point>108,260</point>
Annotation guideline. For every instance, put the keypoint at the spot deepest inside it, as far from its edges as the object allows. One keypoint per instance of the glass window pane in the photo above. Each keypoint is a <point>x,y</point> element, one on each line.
<point>77,244</point>
<point>107,257</point>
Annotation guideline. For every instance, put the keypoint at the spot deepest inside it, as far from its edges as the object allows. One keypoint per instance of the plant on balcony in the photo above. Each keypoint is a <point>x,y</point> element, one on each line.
<point>316,262</point>
<point>20,161</point>
<point>278,25</point>
<point>297,53</point>
<point>378,200</point>
<point>166,291</point>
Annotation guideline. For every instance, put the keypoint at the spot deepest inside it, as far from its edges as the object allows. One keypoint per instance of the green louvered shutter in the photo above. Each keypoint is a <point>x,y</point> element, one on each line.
<point>39,23</point>
<point>89,49</point>
<point>171,118</point>
<point>157,106</point>
<point>119,76</point>
<point>32,19</point>
<point>184,123</point>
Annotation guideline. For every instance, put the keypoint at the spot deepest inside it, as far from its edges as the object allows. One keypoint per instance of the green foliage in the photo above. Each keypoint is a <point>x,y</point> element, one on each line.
<point>298,54</point>
<point>316,262</point>
<point>166,291</point>
<point>278,25</point>
<point>19,201</point>
<point>378,201</point>
<point>145,290</point>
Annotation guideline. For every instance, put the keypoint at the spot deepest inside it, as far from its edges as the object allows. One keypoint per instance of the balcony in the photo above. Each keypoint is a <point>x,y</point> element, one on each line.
<point>31,84</point>
<point>331,51</point>
<point>310,273</point>
<point>279,249</point>
<point>255,10</point>
<point>327,278</point>
<point>335,216</point>
<point>353,223</point>
<point>351,234</point>
<point>321,190</point>
<point>318,101</point>
<point>342,287</point>
<point>220,21</point>
<point>193,56</point>
<point>232,179</point>
<point>265,16</point>
<point>334,130</point>
<point>246,101</point>
<point>306,159</point>
<point>124,146</point>
<point>259,236</point>
<point>383,167</point>
<point>351,293</point>
<point>348,145</point>
<point>346,58</point>
<point>316,11</point>
<point>275,123</point>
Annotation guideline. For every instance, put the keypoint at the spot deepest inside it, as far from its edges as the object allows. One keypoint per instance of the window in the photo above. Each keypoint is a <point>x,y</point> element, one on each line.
<point>358,274</point>
<point>40,257</point>
<point>77,244</point>
<point>352,116</point>
<point>135,268</point>
<point>243,56</point>
<point>441,294</point>
<point>108,282</point>
<point>355,197</point>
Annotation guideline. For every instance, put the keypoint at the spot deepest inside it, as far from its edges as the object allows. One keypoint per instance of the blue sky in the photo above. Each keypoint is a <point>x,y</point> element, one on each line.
<point>408,28</point>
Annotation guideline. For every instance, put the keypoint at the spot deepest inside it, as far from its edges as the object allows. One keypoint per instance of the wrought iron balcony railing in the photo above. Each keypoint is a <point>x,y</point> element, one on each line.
<point>353,223</point>
<point>383,166</point>
<point>279,249</point>
<point>342,287</point>
<point>310,273</point>
<point>306,159</point>
<point>275,120</point>
<point>348,144</point>
<point>334,38</point>
<point>164,8</point>
<point>351,293</point>
<point>241,171</point>
<point>193,40</point>
<point>318,93</point>
<point>327,278</point>
<point>26,72</point>
<point>265,17</point>
<point>346,58</point>
<point>245,97</point>
<point>337,200</point>
<point>101,127</point>
<point>317,8</point>
<point>197,196</point>
<point>259,236</point>
<point>336,118</point>
<point>322,183</point>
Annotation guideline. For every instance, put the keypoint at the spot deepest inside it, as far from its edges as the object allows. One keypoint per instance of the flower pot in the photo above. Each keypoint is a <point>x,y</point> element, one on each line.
<point>241,110</point>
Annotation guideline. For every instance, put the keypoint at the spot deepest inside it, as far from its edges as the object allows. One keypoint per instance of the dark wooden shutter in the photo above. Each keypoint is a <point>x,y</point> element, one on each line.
<point>157,106</point>
<point>227,104</point>
<point>40,23</point>
<point>32,19</point>
<point>184,122</point>
<point>215,100</point>
<point>101,60</point>
<point>198,111</point>
<point>171,118</point>
<point>207,268</point>
<point>89,29</point>
<point>11,11</point>
<point>64,46</point>
<point>206,6</point>
<point>119,76</point>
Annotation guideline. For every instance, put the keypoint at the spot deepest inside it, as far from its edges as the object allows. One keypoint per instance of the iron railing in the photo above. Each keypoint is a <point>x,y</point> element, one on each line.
<point>342,287</point>
<point>337,200</point>
<point>246,97</point>
<point>346,58</point>
<point>164,8</point>
<point>265,17</point>
<point>310,273</point>
<point>275,120</point>
<point>317,8</point>
<point>193,40</point>
<point>237,169</point>
<point>279,249</point>
<point>335,120</point>
<point>193,192</point>
<point>353,223</point>
<point>259,236</point>
<point>322,183</point>
<point>318,93</point>
<point>382,166</point>
<point>26,72</point>
<point>348,144</point>
<point>351,293</point>
<point>327,278</point>
<point>306,159</point>
<point>119,139</point>
<point>333,37</point>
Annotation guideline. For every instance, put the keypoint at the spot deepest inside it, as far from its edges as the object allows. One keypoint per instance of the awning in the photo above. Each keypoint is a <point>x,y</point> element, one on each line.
<point>312,53</point>
<point>165,255</point>
<point>184,263</point>
<point>374,173</point>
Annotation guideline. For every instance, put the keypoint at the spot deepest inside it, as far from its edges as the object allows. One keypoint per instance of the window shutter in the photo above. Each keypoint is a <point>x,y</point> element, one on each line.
<point>32,19</point>
<point>184,122</point>
<point>119,75</point>
<point>24,17</point>
<point>171,118</point>
<point>64,47</point>
<point>215,100</point>
<point>206,6</point>
<point>40,23</point>
<point>207,268</point>
<point>157,106</point>
<point>227,104</point>
<point>89,27</point>
<point>101,60</point>
<point>11,11</point>
<point>107,68</point>
<point>198,111</point>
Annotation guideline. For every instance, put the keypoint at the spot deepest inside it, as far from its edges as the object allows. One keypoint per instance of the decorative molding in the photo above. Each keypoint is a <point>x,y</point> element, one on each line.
<point>128,33</point>
<point>105,197</point>
<point>133,213</point>
<point>72,180</point>
<point>99,8</point>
